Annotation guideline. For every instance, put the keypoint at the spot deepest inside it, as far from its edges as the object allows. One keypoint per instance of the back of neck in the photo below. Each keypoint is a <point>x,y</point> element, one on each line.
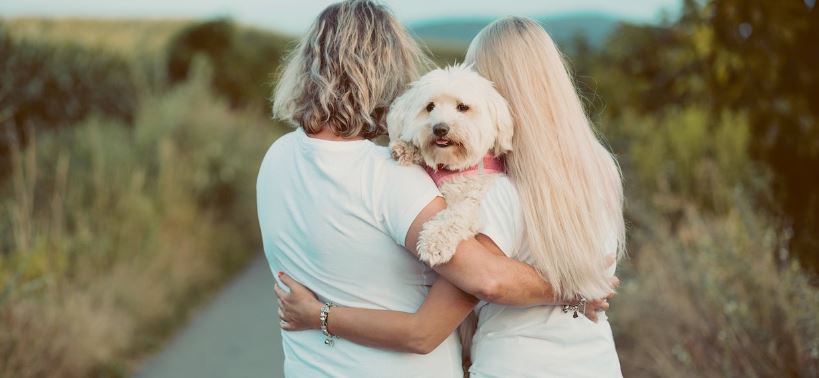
<point>327,133</point>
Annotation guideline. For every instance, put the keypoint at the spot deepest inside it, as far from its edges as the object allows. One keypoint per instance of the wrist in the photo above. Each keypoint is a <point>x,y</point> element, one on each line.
<point>324,318</point>
<point>315,312</point>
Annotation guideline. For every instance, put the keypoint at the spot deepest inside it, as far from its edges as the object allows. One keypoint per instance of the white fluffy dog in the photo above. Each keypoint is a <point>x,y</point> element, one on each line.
<point>454,122</point>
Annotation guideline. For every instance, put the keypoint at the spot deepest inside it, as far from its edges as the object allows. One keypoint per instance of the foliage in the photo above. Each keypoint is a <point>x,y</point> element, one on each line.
<point>740,56</point>
<point>115,231</point>
<point>48,86</point>
<point>243,59</point>
<point>703,295</point>
<point>703,298</point>
<point>129,38</point>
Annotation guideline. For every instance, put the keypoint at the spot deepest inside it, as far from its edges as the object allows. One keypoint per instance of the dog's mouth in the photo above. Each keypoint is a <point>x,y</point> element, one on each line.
<point>443,142</point>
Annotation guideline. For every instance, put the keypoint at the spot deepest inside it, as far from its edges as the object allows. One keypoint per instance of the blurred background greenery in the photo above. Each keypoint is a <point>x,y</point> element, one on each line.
<point>128,154</point>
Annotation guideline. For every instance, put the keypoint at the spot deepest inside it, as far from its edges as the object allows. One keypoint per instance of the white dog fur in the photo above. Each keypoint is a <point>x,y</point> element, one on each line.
<point>478,121</point>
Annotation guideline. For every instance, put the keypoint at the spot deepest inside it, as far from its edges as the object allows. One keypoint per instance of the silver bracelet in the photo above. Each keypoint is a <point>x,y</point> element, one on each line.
<point>324,316</point>
<point>575,307</point>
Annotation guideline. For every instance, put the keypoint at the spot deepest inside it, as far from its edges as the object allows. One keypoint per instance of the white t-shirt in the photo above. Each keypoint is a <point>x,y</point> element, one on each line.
<point>334,216</point>
<point>537,341</point>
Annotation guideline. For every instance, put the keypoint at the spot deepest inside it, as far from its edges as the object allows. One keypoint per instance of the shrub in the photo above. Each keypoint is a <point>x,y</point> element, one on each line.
<point>241,58</point>
<point>704,298</point>
<point>113,232</point>
<point>48,86</point>
<point>683,151</point>
<point>708,290</point>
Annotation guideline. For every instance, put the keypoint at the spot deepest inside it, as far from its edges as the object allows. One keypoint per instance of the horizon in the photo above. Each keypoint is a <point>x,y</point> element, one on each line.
<point>296,19</point>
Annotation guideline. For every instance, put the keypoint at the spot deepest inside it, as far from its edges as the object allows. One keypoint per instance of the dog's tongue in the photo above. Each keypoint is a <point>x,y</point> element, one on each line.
<point>441,142</point>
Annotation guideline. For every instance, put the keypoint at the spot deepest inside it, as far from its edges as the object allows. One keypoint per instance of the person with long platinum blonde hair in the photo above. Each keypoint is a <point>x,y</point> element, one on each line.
<point>559,209</point>
<point>570,185</point>
<point>571,199</point>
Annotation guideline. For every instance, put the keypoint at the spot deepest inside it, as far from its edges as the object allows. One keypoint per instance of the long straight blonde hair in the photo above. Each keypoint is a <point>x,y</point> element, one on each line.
<point>570,185</point>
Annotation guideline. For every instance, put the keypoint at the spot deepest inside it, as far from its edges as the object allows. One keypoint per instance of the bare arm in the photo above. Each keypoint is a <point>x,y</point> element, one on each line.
<point>485,272</point>
<point>444,308</point>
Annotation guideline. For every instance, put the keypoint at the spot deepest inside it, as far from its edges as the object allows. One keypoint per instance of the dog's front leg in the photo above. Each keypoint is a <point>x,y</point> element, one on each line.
<point>405,153</point>
<point>441,235</point>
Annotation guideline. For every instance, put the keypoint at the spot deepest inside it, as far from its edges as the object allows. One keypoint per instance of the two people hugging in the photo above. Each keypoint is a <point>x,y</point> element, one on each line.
<point>495,207</point>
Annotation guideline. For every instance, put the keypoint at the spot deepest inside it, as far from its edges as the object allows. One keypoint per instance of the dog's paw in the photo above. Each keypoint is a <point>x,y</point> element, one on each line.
<point>404,153</point>
<point>441,235</point>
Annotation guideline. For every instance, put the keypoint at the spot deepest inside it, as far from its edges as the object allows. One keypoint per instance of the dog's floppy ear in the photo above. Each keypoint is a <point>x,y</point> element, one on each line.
<point>400,114</point>
<point>502,118</point>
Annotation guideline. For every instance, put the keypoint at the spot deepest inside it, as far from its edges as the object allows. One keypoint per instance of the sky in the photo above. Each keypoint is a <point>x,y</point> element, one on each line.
<point>295,16</point>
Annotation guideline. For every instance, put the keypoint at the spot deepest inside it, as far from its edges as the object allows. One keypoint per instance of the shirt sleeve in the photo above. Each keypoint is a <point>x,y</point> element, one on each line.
<point>502,216</point>
<point>407,191</point>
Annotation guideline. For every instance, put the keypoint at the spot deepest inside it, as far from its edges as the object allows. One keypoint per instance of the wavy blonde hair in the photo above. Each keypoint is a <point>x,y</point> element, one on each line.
<point>355,59</point>
<point>570,185</point>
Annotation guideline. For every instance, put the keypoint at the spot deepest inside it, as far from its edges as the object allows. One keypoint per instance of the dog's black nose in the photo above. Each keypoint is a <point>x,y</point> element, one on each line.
<point>440,129</point>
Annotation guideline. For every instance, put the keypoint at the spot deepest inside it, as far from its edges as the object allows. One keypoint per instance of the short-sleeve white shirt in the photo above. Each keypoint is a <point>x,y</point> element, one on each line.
<point>536,341</point>
<point>334,216</point>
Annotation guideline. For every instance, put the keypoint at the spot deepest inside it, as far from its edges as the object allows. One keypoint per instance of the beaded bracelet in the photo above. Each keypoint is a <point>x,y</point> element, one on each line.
<point>575,307</point>
<point>324,316</point>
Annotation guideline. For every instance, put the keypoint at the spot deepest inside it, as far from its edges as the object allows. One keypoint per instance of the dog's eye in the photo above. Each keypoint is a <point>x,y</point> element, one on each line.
<point>463,107</point>
<point>430,106</point>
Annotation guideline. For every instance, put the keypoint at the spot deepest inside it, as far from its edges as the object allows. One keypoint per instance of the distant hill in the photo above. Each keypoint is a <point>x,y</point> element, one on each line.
<point>563,28</point>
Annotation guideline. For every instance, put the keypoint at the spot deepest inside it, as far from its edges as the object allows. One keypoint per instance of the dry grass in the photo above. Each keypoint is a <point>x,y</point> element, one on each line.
<point>115,232</point>
<point>706,299</point>
<point>705,291</point>
<point>131,38</point>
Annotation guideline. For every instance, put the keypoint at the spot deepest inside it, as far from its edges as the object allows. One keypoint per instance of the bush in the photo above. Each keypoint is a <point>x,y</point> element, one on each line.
<point>684,152</point>
<point>703,294</point>
<point>113,232</point>
<point>704,298</point>
<point>49,86</point>
<point>242,59</point>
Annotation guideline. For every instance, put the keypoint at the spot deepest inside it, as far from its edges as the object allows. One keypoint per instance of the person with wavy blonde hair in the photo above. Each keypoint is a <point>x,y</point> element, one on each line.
<point>559,208</point>
<point>354,62</point>
<point>338,214</point>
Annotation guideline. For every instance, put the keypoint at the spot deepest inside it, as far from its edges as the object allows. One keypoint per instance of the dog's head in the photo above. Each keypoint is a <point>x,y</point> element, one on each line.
<point>453,116</point>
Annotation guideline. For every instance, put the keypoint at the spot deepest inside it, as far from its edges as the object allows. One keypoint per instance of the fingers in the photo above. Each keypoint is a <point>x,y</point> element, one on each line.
<point>294,286</point>
<point>284,324</point>
<point>598,304</point>
<point>280,294</point>
<point>611,260</point>
<point>615,282</point>
<point>592,315</point>
<point>611,296</point>
<point>290,282</point>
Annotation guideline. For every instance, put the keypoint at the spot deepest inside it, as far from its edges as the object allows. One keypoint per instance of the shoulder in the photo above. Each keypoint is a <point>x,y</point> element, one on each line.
<point>398,193</point>
<point>501,215</point>
<point>280,146</point>
<point>394,173</point>
<point>503,190</point>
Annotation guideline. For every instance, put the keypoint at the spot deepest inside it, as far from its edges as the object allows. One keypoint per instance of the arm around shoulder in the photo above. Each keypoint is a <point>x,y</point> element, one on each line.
<point>483,271</point>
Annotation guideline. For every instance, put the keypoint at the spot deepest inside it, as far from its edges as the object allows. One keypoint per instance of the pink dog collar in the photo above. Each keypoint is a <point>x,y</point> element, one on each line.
<point>490,163</point>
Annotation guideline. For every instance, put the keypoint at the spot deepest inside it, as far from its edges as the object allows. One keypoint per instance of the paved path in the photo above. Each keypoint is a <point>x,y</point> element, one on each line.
<point>236,335</point>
